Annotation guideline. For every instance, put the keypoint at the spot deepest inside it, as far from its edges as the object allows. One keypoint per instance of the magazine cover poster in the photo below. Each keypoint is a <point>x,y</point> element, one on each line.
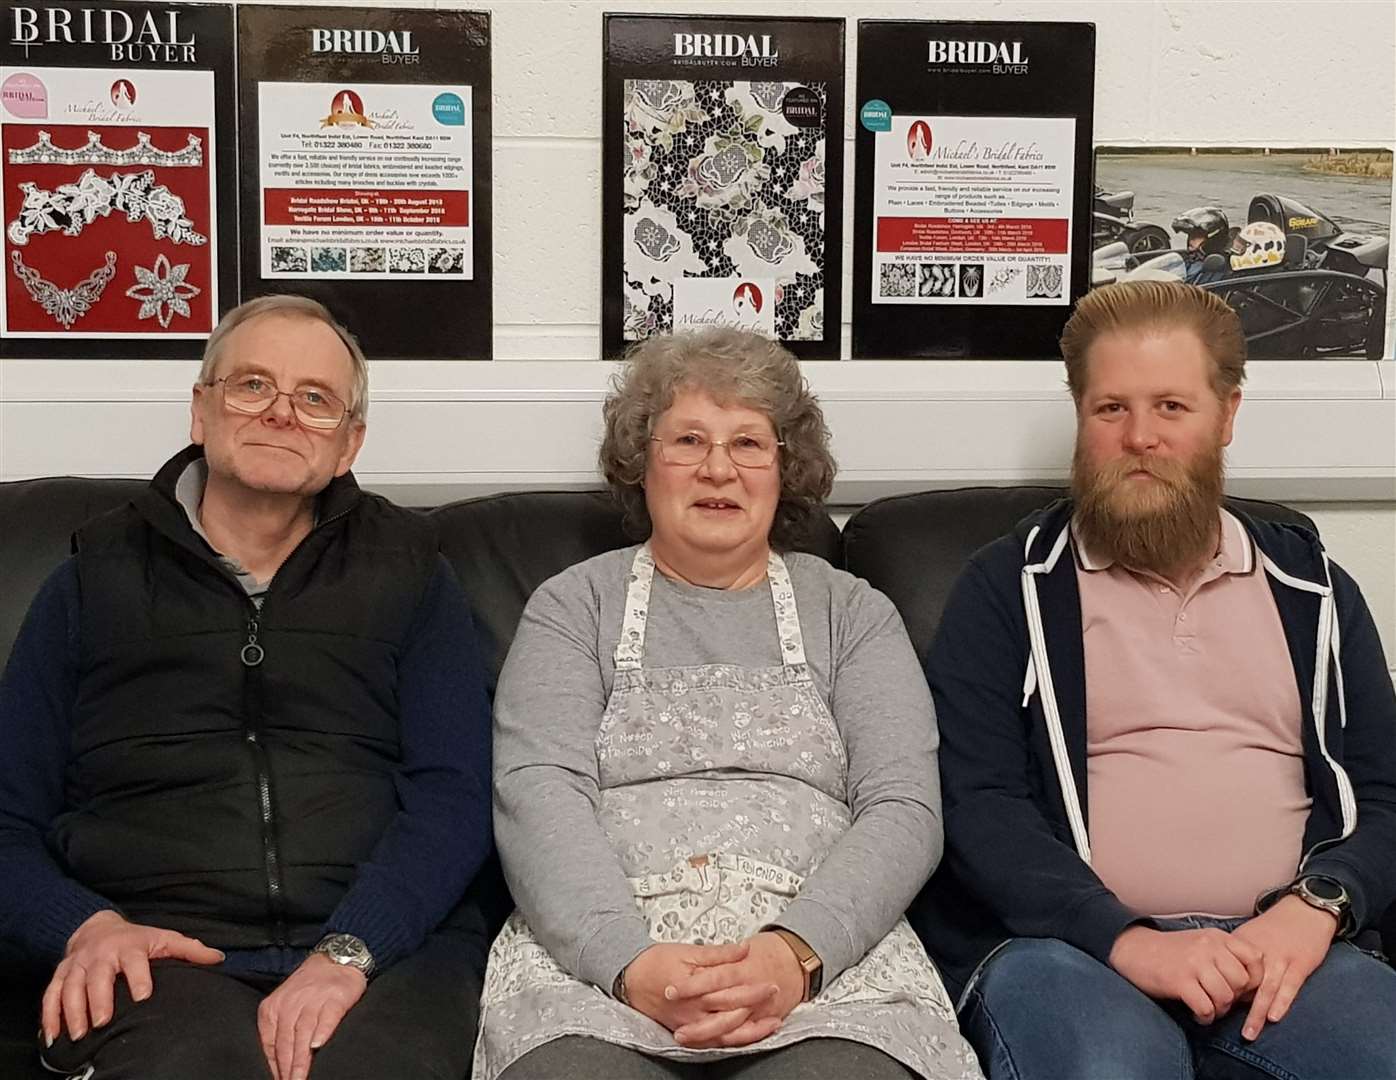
<point>116,164</point>
<point>1296,241</point>
<point>366,164</point>
<point>1014,173</point>
<point>723,178</point>
<point>971,209</point>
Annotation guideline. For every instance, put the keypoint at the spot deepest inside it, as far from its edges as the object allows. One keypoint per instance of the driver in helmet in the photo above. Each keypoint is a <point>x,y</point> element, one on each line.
<point>1208,233</point>
<point>1259,246</point>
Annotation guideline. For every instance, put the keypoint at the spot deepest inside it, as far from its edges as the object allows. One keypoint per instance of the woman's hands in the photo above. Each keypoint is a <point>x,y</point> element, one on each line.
<point>650,986</point>
<point>717,995</point>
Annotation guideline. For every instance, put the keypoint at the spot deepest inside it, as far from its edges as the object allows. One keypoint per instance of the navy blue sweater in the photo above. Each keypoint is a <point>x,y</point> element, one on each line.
<point>420,866</point>
<point>1013,744</point>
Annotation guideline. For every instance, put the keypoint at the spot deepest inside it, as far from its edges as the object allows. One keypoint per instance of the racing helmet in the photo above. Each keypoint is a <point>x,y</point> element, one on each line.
<point>1261,243</point>
<point>1211,222</point>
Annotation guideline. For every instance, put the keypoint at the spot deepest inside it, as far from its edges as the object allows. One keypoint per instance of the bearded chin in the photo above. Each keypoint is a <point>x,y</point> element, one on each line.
<point>1159,526</point>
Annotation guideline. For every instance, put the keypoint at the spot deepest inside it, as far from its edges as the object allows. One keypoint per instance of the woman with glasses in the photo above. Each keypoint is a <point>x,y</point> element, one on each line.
<point>715,767</point>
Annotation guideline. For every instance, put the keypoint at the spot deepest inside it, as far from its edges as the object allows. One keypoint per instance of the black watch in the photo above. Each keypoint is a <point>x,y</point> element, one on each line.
<point>1326,894</point>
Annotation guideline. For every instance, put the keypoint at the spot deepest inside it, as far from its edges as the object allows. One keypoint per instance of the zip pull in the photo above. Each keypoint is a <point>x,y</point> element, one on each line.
<point>252,653</point>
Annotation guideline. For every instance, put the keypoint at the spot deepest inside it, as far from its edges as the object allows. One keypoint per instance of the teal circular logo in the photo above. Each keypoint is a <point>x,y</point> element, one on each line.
<point>449,109</point>
<point>876,115</point>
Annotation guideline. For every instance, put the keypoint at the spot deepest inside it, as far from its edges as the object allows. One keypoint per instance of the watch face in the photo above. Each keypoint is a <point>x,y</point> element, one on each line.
<point>346,949</point>
<point>1325,889</point>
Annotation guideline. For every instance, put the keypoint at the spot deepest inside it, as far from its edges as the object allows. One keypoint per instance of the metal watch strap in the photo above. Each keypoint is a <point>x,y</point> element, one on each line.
<point>811,966</point>
<point>348,951</point>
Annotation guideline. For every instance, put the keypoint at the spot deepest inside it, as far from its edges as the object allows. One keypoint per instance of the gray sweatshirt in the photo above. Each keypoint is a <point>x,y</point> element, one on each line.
<point>564,876</point>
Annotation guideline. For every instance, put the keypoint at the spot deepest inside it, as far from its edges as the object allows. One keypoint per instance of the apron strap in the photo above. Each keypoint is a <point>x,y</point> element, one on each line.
<point>792,642</point>
<point>630,649</point>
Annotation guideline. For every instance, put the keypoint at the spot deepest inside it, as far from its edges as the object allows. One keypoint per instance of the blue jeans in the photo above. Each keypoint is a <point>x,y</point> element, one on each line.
<point>1043,1010</point>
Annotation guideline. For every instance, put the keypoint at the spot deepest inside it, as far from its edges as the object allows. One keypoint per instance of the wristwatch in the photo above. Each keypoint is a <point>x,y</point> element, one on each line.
<point>348,950</point>
<point>1326,894</point>
<point>808,959</point>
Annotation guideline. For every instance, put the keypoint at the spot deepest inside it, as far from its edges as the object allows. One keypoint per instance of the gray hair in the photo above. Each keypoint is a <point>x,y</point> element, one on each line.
<point>734,367</point>
<point>302,307</point>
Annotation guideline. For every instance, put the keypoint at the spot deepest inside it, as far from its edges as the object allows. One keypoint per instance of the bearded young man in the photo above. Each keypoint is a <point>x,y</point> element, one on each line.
<point>1168,750</point>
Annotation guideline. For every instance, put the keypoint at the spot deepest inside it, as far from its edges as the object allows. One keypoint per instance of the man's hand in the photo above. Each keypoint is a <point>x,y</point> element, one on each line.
<point>80,994</point>
<point>1207,970</point>
<point>301,1014</point>
<point>770,962</point>
<point>1293,937</point>
<point>650,982</point>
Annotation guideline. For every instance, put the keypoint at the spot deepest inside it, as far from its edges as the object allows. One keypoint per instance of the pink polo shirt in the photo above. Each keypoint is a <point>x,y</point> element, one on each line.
<point>1194,756</point>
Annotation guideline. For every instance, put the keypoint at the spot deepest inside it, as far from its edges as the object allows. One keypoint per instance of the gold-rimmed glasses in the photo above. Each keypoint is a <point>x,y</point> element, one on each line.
<point>314,406</point>
<point>748,450</point>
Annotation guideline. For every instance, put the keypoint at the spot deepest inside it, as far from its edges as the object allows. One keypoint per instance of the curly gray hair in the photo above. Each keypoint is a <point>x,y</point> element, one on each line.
<point>736,367</point>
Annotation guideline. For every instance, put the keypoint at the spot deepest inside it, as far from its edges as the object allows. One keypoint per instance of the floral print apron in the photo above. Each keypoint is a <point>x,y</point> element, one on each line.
<point>722,788</point>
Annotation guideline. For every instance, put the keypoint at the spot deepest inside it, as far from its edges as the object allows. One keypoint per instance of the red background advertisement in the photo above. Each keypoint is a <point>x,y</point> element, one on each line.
<point>66,260</point>
<point>988,236</point>
<point>365,207</point>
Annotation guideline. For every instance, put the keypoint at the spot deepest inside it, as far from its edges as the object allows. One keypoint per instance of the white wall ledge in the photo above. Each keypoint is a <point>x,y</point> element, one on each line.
<point>439,431</point>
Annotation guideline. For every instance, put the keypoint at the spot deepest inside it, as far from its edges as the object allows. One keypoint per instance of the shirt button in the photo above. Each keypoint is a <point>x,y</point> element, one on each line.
<point>1163,589</point>
<point>1183,617</point>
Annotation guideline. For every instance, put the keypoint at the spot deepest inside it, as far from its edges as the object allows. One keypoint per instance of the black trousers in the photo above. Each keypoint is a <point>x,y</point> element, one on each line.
<point>576,1057</point>
<point>417,1019</point>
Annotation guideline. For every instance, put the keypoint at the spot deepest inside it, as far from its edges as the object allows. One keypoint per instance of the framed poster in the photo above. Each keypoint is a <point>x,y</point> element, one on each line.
<point>117,163</point>
<point>972,210</point>
<point>1296,240</point>
<point>365,144</point>
<point>722,183</point>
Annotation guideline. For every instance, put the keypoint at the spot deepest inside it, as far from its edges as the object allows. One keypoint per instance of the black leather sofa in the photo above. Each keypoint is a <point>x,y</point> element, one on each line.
<point>502,547</point>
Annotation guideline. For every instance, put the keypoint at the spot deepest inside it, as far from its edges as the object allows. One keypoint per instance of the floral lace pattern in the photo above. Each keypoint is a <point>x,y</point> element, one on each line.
<point>72,207</point>
<point>722,789</point>
<point>719,184</point>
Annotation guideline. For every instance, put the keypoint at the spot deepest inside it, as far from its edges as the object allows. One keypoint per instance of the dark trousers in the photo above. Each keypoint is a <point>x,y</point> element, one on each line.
<point>576,1057</point>
<point>417,1019</point>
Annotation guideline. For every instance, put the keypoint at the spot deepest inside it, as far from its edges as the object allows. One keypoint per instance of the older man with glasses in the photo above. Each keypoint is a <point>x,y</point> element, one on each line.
<point>247,758</point>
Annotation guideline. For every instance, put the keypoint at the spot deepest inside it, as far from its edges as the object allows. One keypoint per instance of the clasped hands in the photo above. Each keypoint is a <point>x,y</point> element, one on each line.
<point>1265,961</point>
<point>717,995</point>
<point>295,1019</point>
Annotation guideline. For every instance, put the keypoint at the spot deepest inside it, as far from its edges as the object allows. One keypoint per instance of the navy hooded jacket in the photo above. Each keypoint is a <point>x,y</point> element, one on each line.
<point>1007,671</point>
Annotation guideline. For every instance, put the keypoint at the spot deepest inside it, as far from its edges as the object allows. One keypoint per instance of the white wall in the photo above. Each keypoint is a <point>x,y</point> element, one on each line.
<point>1179,73</point>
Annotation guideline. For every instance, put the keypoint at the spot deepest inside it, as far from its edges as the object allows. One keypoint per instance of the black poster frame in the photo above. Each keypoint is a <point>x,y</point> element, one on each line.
<point>893,67</point>
<point>407,320</point>
<point>811,49</point>
<point>210,25</point>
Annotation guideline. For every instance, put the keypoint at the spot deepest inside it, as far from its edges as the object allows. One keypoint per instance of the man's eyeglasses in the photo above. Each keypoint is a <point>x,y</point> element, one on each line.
<point>747,451</point>
<point>314,406</point>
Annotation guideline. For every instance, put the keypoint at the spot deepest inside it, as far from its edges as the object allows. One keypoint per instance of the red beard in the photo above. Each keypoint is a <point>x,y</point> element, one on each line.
<point>1160,525</point>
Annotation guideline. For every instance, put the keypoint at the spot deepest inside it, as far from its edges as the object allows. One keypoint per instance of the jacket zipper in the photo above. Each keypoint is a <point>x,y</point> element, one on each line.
<point>252,653</point>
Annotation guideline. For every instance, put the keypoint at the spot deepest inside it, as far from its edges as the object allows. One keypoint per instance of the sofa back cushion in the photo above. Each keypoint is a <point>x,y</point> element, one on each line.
<point>504,546</point>
<point>37,521</point>
<point>913,547</point>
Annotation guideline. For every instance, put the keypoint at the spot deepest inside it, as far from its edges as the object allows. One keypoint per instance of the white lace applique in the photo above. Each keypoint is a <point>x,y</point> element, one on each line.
<point>73,207</point>
<point>65,305</point>
<point>162,290</point>
<point>95,152</point>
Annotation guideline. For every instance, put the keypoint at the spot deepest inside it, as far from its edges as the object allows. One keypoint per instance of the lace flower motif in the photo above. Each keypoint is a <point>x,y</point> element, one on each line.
<point>162,291</point>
